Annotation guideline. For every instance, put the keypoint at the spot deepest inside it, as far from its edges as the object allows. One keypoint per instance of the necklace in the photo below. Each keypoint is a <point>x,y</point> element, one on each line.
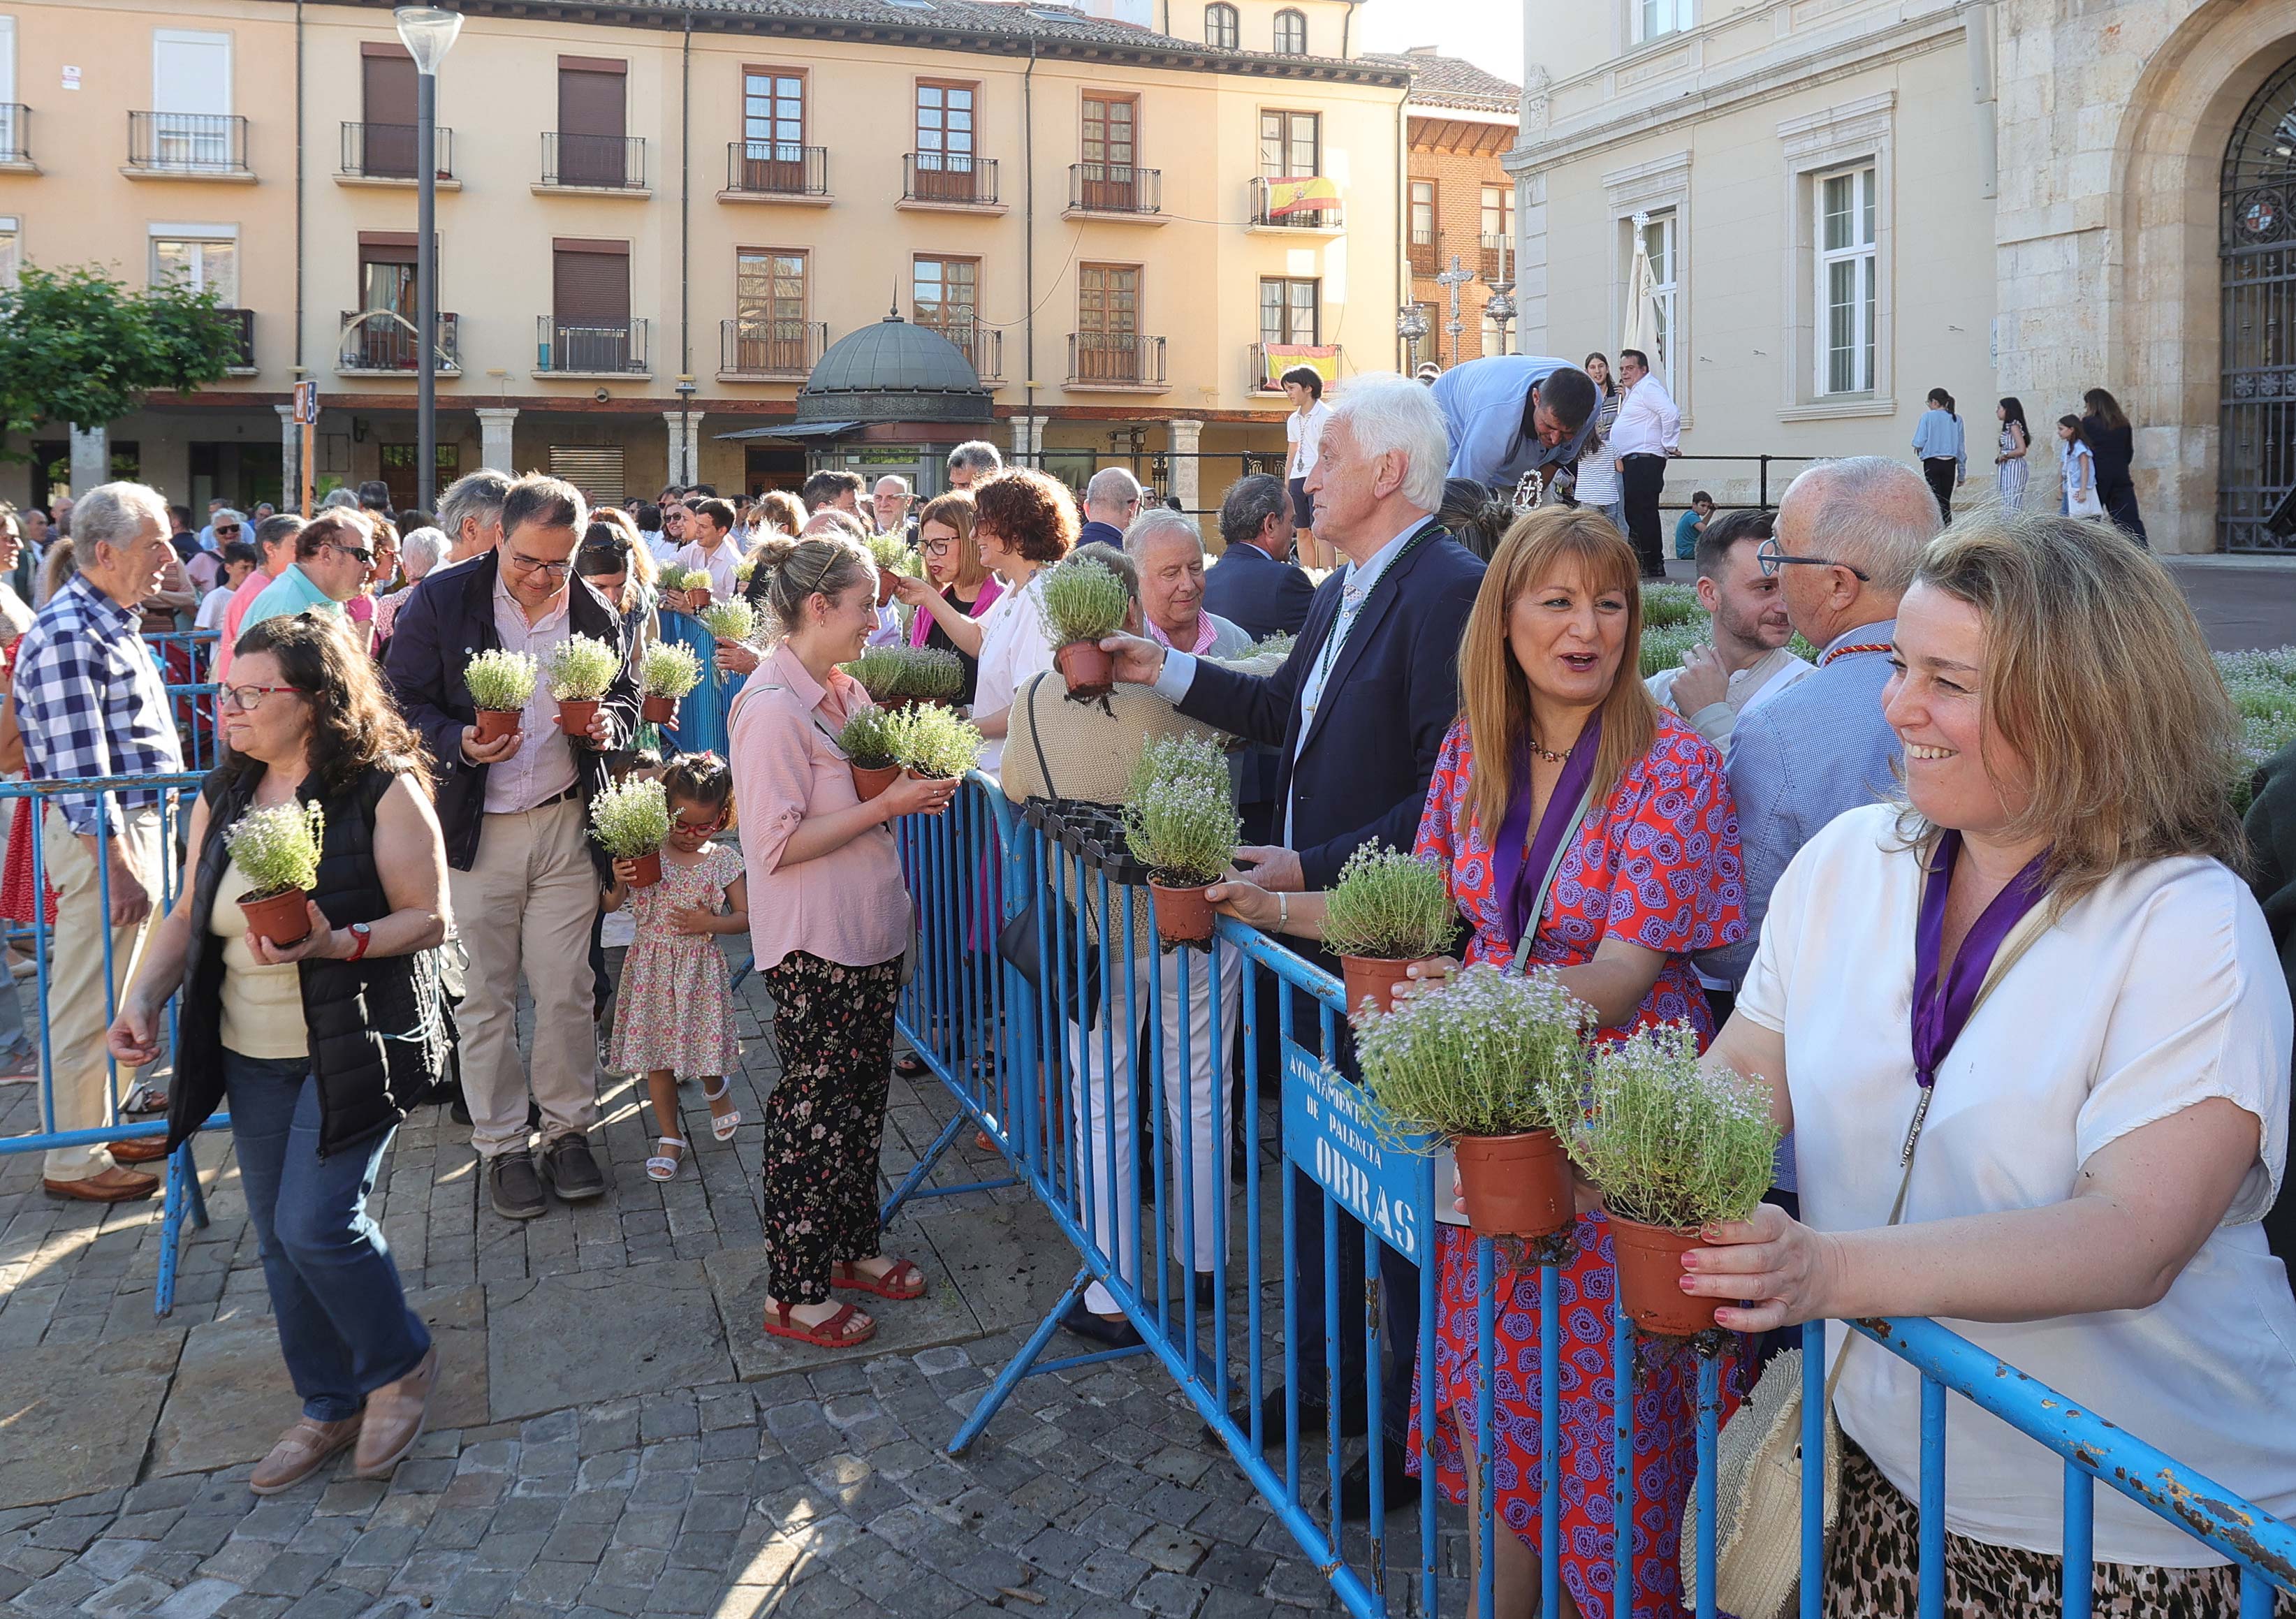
<point>1551,757</point>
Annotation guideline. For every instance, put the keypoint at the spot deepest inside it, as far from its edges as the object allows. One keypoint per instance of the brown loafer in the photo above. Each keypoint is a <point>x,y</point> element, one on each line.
<point>301,1451</point>
<point>140,1150</point>
<point>394,1420</point>
<point>114,1185</point>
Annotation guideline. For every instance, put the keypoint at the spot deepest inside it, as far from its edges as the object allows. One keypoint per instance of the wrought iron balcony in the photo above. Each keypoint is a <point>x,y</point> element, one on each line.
<point>209,143</point>
<point>1299,217</point>
<point>948,180</point>
<point>592,162</point>
<point>385,341</point>
<point>776,168</point>
<point>1270,361</point>
<point>562,348</point>
<point>984,346</point>
<point>15,134</point>
<point>242,360</point>
<point>1115,359</point>
<point>1490,247</point>
<point>763,348</point>
<point>1115,188</point>
<point>385,152</point>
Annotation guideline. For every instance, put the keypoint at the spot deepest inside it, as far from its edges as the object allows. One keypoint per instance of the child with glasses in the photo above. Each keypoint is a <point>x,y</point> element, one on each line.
<point>674,1011</point>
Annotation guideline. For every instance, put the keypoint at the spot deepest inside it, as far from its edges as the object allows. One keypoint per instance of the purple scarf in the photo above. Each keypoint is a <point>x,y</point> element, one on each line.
<point>1519,878</point>
<point>1942,1009</point>
<point>990,589</point>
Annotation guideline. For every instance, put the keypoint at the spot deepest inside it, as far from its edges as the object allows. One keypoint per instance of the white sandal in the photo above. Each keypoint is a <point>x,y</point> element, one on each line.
<point>663,1167</point>
<point>723,1126</point>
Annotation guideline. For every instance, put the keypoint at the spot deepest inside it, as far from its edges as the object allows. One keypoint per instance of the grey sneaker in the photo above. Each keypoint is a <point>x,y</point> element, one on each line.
<point>573,1173</point>
<point>516,1189</point>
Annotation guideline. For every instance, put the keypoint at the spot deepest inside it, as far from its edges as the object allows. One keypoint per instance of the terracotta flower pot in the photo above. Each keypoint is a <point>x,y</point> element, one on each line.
<point>648,870</point>
<point>918,775</point>
<point>870,779</point>
<point>1650,1279</point>
<point>658,709</point>
<point>1374,978</point>
<point>574,714</point>
<point>280,918</point>
<point>1515,1185</point>
<point>496,723</point>
<point>1089,671</point>
<point>884,585</point>
<point>1184,915</point>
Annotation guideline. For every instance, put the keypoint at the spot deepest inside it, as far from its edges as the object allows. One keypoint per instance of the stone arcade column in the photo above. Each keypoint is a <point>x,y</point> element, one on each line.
<point>494,439</point>
<point>291,460</point>
<point>1186,480</point>
<point>684,440</point>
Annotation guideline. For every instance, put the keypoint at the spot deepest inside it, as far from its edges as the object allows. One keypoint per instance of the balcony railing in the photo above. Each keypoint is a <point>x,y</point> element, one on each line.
<point>385,340</point>
<point>593,162</point>
<point>948,177</point>
<point>187,143</point>
<point>1424,249</point>
<point>776,168</point>
<point>385,152</point>
<point>1491,263</point>
<point>1302,216</point>
<point>1269,362</point>
<point>756,347</point>
<point>15,119</point>
<point>1116,359</point>
<point>983,346</point>
<point>244,356</point>
<point>1115,188</point>
<point>582,350</point>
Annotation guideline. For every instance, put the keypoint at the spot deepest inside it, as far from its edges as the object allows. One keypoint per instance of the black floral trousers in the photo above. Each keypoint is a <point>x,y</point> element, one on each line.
<point>825,1119</point>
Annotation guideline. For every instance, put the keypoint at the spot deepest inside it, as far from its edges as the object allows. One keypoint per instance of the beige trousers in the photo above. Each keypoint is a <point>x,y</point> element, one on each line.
<point>525,906</point>
<point>80,1002</point>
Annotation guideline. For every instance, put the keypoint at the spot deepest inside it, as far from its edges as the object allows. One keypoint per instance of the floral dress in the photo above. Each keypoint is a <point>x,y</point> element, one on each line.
<point>1659,867</point>
<point>675,1009</point>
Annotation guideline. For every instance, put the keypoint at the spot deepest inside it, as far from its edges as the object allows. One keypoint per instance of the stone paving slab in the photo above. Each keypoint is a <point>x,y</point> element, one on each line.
<point>594,1334</point>
<point>75,1418</point>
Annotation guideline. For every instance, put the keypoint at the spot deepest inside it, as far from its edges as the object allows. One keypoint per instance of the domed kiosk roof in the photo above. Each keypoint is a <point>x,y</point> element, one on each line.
<point>893,372</point>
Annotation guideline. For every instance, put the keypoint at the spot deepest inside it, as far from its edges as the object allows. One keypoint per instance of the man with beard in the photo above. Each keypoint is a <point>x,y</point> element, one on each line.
<point>1746,663</point>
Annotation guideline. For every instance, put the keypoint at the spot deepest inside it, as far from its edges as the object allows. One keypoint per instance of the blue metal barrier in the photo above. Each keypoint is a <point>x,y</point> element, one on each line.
<point>1025,1074</point>
<point>701,725</point>
<point>186,659</point>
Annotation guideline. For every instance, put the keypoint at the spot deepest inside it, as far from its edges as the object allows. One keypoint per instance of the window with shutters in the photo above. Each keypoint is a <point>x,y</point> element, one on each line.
<point>1110,148</point>
<point>592,144</point>
<point>1290,33</point>
<point>594,468</point>
<point>945,295</point>
<point>199,263</point>
<point>769,324</point>
<point>947,150</point>
<point>1291,309</point>
<point>590,286</point>
<point>191,99</point>
<point>1223,27</point>
<point>1421,241</point>
<point>386,84</point>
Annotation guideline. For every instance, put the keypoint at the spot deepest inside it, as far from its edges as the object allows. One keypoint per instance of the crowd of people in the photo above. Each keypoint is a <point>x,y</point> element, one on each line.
<point>1998,796</point>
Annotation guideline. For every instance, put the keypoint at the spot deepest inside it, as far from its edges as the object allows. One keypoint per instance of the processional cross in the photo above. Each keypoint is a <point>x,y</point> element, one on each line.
<point>1455,278</point>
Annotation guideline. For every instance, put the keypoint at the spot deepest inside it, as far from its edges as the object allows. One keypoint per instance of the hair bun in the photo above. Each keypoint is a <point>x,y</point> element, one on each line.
<point>777,551</point>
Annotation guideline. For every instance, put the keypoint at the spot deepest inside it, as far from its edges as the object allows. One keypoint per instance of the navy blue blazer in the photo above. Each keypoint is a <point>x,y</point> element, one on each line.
<point>1255,593</point>
<point>1392,693</point>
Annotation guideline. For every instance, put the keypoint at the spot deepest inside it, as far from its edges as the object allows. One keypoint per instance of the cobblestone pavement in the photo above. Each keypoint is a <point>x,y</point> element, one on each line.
<point>612,1434</point>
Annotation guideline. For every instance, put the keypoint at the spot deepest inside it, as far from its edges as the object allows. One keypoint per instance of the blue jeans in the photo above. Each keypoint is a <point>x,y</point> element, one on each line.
<point>344,1326</point>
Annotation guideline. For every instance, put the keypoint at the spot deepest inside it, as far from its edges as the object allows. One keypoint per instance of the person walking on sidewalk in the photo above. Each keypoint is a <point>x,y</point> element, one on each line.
<point>318,1047</point>
<point>525,875</point>
<point>1647,434</point>
<point>1942,449</point>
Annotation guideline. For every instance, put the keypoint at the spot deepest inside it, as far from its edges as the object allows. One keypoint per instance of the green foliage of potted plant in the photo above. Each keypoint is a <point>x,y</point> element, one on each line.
<point>501,683</point>
<point>1181,824</point>
<point>1084,600</point>
<point>892,557</point>
<point>1673,1150</point>
<point>667,670</point>
<point>1478,1063</point>
<point>930,740</point>
<point>868,742</point>
<point>580,668</point>
<point>730,620</point>
<point>1388,911</point>
<point>630,820</point>
<point>744,570</point>
<point>930,674</point>
<point>880,671</point>
<point>681,587</point>
<point>277,849</point>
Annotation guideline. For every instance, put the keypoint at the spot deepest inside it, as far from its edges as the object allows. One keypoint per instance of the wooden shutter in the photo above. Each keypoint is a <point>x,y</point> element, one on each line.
<point>596,469</point>
<point>590,283</point>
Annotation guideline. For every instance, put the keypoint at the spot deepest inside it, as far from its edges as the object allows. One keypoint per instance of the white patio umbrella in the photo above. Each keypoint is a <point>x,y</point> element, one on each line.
<point>1642,328</point>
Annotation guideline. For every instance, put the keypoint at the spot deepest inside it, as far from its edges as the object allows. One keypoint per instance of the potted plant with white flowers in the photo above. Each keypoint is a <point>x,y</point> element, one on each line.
<point>1181,824</point>
<point>580,669</point>
<point>501,684</point>
<point>1388,911</point>
<point>932,741</point>
<point>867,743</point>
<point>630,820</point>
<point>1084,600</point>
<point>733,619</point>
<point>667,670</point>
<point>277,849</point>
<point>893,558</point>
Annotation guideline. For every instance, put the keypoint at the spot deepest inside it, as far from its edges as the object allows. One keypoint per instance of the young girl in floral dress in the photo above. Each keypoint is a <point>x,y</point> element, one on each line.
<point>674,1013</point>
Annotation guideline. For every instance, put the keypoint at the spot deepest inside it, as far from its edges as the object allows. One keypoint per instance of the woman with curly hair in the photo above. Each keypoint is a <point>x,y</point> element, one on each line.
<point>1023,522</point>
<point>320,1046</point>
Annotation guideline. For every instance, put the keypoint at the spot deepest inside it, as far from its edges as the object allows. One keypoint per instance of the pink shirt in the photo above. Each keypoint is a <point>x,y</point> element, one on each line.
<point>542,767</point>
<point>848,905</point>
<point>233,616</point>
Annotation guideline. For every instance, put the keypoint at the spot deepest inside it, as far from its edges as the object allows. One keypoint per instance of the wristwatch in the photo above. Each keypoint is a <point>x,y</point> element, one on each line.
<point>362,936</point>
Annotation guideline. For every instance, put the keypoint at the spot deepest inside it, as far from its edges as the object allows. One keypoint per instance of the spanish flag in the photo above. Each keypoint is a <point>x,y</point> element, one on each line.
<point>1308,196</point>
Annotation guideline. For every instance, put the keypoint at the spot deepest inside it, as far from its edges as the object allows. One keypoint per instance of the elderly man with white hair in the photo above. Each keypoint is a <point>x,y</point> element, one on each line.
<point>1167,550</point>
<point>889,504</point>
<point>1357,714</point>
<point>1111,500</point>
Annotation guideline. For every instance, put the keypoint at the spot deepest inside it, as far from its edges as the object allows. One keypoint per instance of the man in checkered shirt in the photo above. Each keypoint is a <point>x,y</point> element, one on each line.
<point>90,703</point>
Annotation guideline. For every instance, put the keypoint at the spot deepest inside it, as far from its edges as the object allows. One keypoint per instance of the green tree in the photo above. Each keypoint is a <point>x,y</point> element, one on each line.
<point>78,347</point>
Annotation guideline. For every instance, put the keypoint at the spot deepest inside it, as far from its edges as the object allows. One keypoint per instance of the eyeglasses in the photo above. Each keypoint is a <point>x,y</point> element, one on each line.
<point>529,565</point>
<point>938,548</point>
<point>242,700</point>
<point>680,823</point>
<point>1772,559</point>
<point>226,527</point>
<point>364,556</point>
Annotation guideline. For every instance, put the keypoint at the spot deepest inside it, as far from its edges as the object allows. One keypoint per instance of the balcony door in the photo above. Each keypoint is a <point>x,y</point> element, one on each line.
<point>1291,146</point>
<point>1290,310</point>
<point>769,327</point>
<point>191,99</point>
<point>772,130</point>
<point>1107,324</point>
<point>945,296</point>
<point>387,81</point>
<point>386,289</point>
<point>946,142</point>
<point>590,300</point>
<point>1110,148</point>
<point>593,120</point>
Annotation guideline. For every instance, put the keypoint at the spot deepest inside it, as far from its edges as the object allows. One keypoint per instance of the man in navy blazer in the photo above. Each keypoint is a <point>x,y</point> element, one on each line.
<point>1254,585</point>
<point>1357,714</point>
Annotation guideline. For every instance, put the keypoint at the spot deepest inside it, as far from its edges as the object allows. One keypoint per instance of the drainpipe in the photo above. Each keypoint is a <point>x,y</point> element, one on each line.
<point>1029,251</point>
<point>1977,28</point>
<point>685,256</point>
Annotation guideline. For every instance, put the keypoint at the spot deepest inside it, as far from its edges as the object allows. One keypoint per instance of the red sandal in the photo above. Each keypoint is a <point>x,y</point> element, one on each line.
<point>903,1281</point>
<point>830,1334</point>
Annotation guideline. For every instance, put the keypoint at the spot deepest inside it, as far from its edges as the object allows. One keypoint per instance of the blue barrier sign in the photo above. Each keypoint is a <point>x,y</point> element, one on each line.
<point>1337,1134</point>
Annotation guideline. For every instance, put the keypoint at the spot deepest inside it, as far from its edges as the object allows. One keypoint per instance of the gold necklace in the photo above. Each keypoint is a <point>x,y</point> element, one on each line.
<point>1552,758</point>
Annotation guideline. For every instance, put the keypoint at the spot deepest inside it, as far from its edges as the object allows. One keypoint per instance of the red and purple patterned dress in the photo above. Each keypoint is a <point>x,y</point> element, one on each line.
<point>1659,868</point>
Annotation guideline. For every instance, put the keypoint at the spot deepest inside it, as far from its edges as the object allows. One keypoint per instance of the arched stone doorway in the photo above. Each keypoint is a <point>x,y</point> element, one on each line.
<point>2257,246</point>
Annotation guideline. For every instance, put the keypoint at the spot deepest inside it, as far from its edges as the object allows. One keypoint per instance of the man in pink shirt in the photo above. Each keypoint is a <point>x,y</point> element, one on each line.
<point>274,537</point>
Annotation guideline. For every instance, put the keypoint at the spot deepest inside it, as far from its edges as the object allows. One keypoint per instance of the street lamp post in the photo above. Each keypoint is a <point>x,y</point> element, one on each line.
<point>427,34</point>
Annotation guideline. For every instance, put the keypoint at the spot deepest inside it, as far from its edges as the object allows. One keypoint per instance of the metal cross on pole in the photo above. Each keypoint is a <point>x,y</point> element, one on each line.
<point>1453,279</point>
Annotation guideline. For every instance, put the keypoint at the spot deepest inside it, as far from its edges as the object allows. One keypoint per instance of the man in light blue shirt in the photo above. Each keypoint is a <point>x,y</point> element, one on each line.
<point>333,555</point>
<point>1512,413</point>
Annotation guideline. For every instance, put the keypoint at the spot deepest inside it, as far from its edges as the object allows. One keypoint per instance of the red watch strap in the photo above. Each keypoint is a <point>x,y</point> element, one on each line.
<point>363,935</point>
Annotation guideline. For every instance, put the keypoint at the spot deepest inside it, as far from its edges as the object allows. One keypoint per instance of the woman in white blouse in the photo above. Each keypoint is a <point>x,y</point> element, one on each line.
<point>2095,1147</point>
<point>1023,521</point>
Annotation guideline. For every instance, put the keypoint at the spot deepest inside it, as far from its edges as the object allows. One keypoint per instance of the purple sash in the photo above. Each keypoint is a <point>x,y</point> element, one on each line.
<point>1942,1008</point>
<point>1520,881</point>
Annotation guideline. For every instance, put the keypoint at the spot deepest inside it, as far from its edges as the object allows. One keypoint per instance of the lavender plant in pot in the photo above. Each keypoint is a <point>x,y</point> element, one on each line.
<point>868,742</point>
<point>930,740</point>
<point>668,671</point>
<point>277,849</point>
<point>893,558</point>
<point>1084,600</point>
<point>630,820</point>
<point>580,668</point>
<point>1181,823</point>
<point>1388,911</point>
<point>501,684</point>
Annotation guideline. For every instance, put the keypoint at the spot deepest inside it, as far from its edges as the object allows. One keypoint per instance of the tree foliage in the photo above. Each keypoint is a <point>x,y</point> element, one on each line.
<point>78,347</point>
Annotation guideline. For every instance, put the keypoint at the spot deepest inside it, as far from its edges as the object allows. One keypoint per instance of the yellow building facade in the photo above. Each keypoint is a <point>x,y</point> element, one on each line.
<point>652,222</point>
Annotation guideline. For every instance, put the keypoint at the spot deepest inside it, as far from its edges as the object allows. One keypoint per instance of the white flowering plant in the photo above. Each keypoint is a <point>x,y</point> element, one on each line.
<point>891,554</point>
<point>630,818</point>
<point>668,668</point>
<point>1184,831</point>
<point>277,847</point>
<point>1083,601</point>
<point>1389,906</point>
<point>1484,1056</point>
<point>731,620</point>
<point>1670,1145</point>
<point>501,681</point>
<point>933,674</point>
<point>867,738</point>
<point>933,741</point>
<point>1188,757</point>
<point>581,667</point>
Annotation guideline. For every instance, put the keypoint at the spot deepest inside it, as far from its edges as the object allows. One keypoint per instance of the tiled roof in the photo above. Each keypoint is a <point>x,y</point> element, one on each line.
<point>1451,81</point>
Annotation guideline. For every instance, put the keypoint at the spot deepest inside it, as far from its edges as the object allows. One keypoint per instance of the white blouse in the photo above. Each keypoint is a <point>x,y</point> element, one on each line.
<point>2154,991</point>
<point>1013,646</point>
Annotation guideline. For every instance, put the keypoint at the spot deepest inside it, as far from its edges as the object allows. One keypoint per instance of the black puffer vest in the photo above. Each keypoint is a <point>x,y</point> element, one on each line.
<point>380,1029</point>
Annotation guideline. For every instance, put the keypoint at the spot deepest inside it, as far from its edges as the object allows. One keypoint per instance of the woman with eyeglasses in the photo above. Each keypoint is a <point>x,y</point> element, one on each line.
<point>319,1047</point>
<point>961,591</point>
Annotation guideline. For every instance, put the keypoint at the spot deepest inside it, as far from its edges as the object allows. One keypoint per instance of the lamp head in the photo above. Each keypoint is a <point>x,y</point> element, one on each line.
<point>428,32</point>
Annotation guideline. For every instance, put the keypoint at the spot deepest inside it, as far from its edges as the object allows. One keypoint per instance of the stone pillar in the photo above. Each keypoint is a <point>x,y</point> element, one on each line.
<point>291,460</point>
<point>91,458</point>
<point>1186,480</point>
<point>494,439</point>
<point>1027,440</point>
<point>685,445</point>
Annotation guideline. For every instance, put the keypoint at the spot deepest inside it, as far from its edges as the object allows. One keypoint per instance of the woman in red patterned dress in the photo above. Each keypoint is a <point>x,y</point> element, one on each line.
<point>1648,874</point>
